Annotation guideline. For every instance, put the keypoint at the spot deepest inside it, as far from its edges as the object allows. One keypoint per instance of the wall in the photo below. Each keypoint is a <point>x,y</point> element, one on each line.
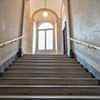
<point>66,17</point>
<point>85,26</point>
<point>38,18</point>
<point>50,4</point>
<point>10,27</point>
<point>30,29</point>
<point>27,29</point>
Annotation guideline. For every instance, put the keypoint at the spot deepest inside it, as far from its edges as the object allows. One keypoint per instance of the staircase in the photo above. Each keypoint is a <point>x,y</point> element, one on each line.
<point>48,77</point>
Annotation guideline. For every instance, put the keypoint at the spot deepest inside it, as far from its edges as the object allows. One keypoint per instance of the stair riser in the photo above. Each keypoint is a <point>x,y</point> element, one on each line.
<point>49,70</point>
<point>46,61</point>
<point>48,75</point>
<point>25,55</point>
<point>46,67</point>
<point>48,82</point>
<point>46,58</point>
<point>49,91</point>
<point>25,65</point>
<point>49,98</point>
<point>43,59</point>
<point>44,64</point>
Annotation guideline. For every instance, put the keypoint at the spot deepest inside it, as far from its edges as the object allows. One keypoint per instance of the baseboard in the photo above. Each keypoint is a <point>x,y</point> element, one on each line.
<point>90,68</point>
<point>7,63</point>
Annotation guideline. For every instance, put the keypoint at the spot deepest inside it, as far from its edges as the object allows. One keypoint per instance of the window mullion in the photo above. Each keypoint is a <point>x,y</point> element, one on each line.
<point>45,40</point>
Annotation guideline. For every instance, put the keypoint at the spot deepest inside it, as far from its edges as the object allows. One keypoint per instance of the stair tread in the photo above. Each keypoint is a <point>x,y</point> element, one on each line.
<point>42,72</point>
<point>21,78</point>
<point>48,77</point>
<point>50,86</point>
<point>48,96</point>
<point>46,68</point>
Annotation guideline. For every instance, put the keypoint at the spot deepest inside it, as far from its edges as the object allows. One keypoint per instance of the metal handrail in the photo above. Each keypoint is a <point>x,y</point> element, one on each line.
<point>11,41</point>
<point>89,45</point>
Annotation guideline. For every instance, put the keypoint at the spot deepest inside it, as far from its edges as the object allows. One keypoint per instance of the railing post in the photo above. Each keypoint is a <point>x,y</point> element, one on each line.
<point>20,53</point>
<point>72,55</point>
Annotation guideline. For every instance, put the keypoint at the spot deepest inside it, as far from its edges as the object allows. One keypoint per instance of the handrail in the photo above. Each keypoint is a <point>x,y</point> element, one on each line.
<point>89,45</point>
<point>11,41</point>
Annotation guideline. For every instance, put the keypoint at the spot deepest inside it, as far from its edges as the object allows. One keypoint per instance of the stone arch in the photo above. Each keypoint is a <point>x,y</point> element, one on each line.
<point>44,22</point>
<point>57,17</point>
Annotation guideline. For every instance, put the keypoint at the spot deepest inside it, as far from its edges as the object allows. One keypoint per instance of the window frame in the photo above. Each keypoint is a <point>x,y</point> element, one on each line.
<point>45,36</point>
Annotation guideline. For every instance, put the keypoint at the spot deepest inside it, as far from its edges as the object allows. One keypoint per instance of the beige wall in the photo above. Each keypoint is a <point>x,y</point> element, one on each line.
<point>30,29</point>
<point>54,5</point>
<point>85,26</point>
<point>27,29</point>
<point>10,26</point>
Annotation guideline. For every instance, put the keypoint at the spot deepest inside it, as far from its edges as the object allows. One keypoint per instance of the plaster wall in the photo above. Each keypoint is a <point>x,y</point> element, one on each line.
<point>31,29</point>
<point>27,29</point>
<point>10,27</point>
<point>85,26</point>
<point>65,17</point>
<point>54,5</point>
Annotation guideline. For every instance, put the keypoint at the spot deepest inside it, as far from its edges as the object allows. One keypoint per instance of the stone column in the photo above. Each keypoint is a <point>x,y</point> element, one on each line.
<point>59,36</point>
<point>27,29</point>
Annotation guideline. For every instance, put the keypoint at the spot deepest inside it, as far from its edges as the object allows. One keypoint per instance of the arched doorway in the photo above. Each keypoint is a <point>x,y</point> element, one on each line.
<point>45,37</point>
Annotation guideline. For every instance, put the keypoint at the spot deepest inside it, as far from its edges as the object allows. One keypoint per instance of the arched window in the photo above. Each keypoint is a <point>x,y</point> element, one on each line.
<point>46,25</point>
<point>45,36</point>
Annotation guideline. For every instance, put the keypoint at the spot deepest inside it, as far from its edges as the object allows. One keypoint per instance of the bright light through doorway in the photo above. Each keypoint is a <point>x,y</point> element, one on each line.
<point>45,36</point>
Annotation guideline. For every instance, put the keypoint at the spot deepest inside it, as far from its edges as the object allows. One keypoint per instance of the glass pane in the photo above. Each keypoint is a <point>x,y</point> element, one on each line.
<point>41,40</point>
<point>49,39</point>
<point>45,26</point>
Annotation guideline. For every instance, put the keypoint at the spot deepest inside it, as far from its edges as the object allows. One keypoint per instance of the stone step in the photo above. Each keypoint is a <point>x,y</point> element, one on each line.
<point>49,67</point>
<point>53,68</point>
<point>45,64</point>
<point>48,97</point>
<point>32,65</point>
<point>30,58</point>
<point>44,61</point>
<point>45,57</point>
<point>68,69</point>
<point>30,55</point>
<point>46,74</point>
<point>44,71</point>
<point>57,59</point>
<point>56,81</point>
<point>49,90</point>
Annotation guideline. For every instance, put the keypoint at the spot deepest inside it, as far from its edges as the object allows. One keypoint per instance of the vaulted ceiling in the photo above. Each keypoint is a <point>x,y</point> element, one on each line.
<point>54,5</point>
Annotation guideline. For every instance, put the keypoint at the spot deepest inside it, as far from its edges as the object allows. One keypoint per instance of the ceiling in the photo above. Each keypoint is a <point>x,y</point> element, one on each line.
<point>54,5</point>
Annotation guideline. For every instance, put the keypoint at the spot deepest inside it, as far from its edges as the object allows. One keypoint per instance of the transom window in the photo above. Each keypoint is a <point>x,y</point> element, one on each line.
<point>45,36</point>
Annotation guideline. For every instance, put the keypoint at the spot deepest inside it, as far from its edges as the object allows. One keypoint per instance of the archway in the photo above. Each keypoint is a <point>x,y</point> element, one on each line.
<point>55,29</point>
